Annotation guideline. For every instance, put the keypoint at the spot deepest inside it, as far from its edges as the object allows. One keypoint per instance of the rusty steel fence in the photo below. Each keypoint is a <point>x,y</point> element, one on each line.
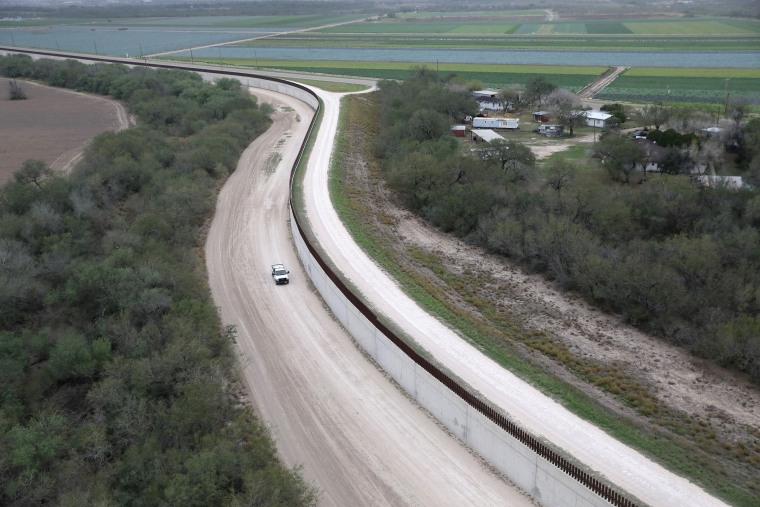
<point>601,488</point>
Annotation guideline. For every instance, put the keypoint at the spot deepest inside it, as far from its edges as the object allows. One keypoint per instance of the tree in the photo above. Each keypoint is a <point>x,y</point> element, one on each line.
<point>566,107</point>
<point>427,125</point>
<point>560,172</point>
<point>515,159</point>
<point>33,171</point>
<point>616,110</point>
<point>619,156</point>
<point>16,91</point>
<point>655,114</point>
<point>676,161</point>
<point>537,88</point>
<point>510,95</point>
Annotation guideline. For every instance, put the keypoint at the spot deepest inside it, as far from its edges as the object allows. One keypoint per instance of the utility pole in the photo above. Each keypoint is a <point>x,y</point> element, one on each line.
<point>725,109</point>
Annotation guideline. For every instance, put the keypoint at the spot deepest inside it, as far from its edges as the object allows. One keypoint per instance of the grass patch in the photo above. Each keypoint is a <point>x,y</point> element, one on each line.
<point>573,78</point>
<point>692,27</point>
<point>333,86</point>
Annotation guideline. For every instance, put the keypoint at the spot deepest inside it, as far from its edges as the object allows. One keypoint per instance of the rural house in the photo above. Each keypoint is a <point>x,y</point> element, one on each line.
<point>488,100</point>
<point>541,116</point>
<point>596,118</point>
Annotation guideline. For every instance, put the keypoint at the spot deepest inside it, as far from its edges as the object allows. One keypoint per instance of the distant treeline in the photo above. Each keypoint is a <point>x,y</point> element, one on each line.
<point>118,383</point>
<point>675,259</point>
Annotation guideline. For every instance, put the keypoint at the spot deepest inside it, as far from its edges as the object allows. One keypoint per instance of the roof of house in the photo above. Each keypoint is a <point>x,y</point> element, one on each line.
<point>597,115</point>
<point>485,93</point>
<point>487,135</point>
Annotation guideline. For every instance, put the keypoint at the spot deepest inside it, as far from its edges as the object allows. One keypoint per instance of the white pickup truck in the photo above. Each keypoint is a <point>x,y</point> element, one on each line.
<point>280,274</point>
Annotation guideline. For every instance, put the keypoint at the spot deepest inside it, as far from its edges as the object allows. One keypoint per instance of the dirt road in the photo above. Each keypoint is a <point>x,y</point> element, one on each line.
<point>599,84</point>
<point>358,438</point>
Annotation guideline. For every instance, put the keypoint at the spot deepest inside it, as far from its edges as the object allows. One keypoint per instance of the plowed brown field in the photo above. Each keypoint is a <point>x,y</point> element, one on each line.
<point>70,120</point>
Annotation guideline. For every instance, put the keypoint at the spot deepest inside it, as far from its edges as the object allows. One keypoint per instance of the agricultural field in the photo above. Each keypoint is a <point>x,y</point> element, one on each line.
<point>570,77</point>
<point>246,22</point>
<point>493,24</point>
<point>555,41</point>
<point>499,48</point>
<point>684,85</point>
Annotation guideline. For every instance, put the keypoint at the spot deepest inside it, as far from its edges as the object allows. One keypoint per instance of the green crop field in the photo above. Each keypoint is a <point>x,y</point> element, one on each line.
<point>607,28</point>
<point>48,21</point>
<point>472,14</point>
<point>425,27</point>
<point>693,27</point>
<point>494,24</point>
<point>495,76</point>
<point>684,85</point>
<point>452,41</point>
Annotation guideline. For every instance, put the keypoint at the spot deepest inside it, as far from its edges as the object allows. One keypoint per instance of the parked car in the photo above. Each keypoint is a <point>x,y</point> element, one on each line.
<point>640,134</point>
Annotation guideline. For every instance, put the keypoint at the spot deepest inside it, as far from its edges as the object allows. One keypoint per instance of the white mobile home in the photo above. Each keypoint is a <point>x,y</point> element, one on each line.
<point>495,123</point>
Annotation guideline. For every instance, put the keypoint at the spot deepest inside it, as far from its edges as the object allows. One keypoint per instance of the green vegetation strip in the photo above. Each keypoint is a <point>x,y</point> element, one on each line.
<point>459,41</point>
<point>570,77</point>
<point>333,86</point>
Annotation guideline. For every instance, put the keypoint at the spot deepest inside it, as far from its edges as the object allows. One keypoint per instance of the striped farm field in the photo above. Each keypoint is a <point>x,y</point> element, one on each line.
<point>694,27</point>
<point>684,85</point>
<point>495,41</point>
<point>442,26</point>
<point>472,14</point>
<point>498,76</point>
<point>489,25</point>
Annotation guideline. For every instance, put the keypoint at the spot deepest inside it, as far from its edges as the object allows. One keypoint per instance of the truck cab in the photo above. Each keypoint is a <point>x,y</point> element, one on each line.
<point>280,274</point>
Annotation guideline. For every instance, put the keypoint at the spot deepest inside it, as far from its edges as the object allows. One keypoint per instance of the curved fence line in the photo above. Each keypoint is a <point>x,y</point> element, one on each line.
<point>602,489</point>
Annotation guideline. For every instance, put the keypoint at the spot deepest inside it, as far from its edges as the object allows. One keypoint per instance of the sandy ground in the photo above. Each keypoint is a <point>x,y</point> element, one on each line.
<point>71,121</point>
<point>359,439</point>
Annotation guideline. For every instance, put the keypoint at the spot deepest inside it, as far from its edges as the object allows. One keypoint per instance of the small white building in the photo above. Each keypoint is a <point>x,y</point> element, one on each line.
<point>597,118</point>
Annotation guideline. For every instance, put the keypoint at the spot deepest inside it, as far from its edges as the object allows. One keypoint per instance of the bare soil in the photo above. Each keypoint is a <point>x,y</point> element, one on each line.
<point>70,119</point>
